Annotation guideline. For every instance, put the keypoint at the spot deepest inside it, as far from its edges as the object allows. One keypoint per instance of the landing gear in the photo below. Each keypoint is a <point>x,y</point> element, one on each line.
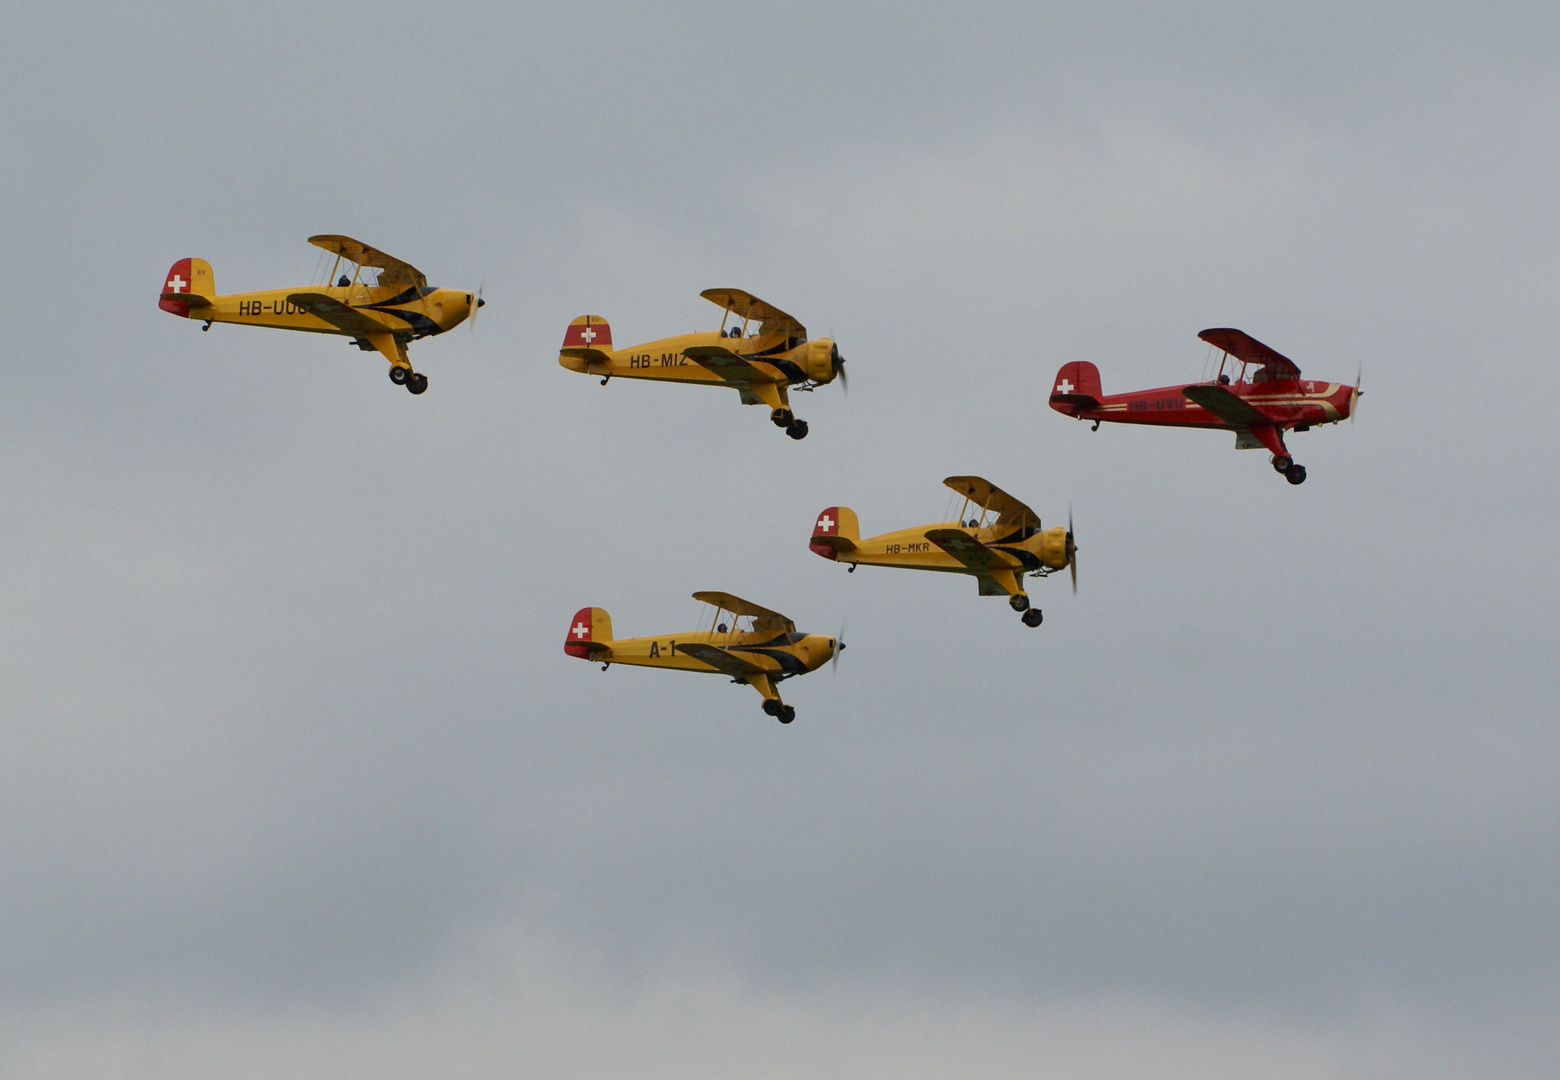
<point>1032,617</point>
<point>404,376</point>
<point>1284,464</point>
<point>779,710</point>
<point>203,329</point>
<point>1019,602</point>
<point>785,418</point>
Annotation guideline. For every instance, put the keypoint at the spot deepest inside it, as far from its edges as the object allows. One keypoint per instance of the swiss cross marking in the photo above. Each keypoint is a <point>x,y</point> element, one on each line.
<point>826,523</point>
<point>588,334</point>
<point>176,283</point>
<point>581,630</point>
<point>1064,387</point>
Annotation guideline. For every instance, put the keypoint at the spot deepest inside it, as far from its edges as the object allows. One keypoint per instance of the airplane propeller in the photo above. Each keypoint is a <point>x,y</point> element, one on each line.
<point>839,647</point>
<point>838,363</point>
<point>1354,395</point>
<point>471,317</point>
<point>1072,550</point>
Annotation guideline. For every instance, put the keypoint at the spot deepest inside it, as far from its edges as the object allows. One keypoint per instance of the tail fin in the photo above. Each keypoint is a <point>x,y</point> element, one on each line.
<point>1077,386</point>
<point>835,531</point>
<point>590,633</point>
<point>188,285</point>
<point>588,339</point>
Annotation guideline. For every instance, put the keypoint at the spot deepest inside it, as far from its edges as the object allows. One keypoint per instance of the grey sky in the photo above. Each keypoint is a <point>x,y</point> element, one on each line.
<point>296,780</point>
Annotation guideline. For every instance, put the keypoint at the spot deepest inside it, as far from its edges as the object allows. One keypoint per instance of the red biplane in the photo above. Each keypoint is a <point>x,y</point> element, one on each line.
<point>1259,402</point>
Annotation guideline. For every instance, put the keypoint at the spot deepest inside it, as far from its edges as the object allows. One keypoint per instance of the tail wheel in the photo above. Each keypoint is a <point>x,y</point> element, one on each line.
<point>417,383</point>
<point>797,429</point>
<point>399,374</point>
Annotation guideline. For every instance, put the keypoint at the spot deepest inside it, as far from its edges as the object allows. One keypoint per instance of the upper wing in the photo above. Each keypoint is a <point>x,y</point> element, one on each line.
<point>983,493</point>
<point>968,550</point>
<point>763,618</point>
<point>729,366</point>
<point>1222,403</point>
<point>771,320</point>
<point>1247,349</point>
<point>720,659</point>
<point>392,270</point>
<point>336,313</point>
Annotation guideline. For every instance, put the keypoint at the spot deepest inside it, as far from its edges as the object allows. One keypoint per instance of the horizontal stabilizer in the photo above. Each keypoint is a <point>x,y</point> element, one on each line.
<point>1222,403</point>
<point>590,356</point>
<point>187,299</point>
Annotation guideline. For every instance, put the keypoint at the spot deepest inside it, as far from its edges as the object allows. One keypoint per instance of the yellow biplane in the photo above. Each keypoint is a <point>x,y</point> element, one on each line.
<point>998,546</point>
<point>762,357</point>
<point>761,654</point>
<point>382,314</point>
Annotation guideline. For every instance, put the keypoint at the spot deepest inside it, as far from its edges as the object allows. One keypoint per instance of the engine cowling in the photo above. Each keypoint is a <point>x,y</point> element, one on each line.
<point>1053,547</point>
<point>819,364</point>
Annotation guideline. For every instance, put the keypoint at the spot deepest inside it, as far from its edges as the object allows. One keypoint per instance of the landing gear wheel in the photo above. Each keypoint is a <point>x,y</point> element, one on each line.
<point>1295,474</point>
<point>399,374</point>
<point>1019,602</point>
<point>1282,462</point>
<point>781,417</point>
<point>797,429</point>
<point>772,706</point>
<point>417,383</point>
<point>787,714</point>
<point>1032,617</point>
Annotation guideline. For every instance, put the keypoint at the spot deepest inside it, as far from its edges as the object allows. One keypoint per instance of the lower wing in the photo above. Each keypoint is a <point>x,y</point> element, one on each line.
<point>1226,406</point>
<point>348,320</point>
<point>968,550</point>
<point>731,367</point>
<point>720,659</point>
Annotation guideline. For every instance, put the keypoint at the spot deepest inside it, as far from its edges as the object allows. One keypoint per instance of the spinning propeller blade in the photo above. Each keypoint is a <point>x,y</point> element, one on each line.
<point>471,317</point>
<point>839,647</point>
<point>1354,395</point>
<point>838,363</point>
<point>1072,550</point>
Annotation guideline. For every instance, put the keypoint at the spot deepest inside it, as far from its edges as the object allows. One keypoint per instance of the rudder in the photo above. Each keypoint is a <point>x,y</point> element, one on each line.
<point>187,281</point>
<point>835,530</point>
<point>590,632</point>
<point>1077,385</point>
<point>588,340</point>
